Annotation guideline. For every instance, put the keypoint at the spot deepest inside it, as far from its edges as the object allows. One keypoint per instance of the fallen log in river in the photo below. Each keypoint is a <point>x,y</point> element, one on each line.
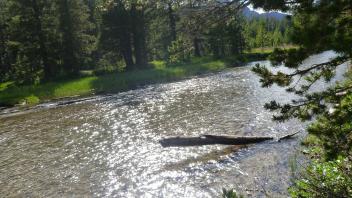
<point>213,139</point>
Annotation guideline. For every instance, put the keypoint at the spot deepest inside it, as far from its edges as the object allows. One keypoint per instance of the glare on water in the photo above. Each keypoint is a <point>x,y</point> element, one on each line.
<point>109,147</point>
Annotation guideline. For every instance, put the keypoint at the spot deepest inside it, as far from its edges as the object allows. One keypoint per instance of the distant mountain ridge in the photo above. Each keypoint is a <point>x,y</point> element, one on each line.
<point>253,14</point>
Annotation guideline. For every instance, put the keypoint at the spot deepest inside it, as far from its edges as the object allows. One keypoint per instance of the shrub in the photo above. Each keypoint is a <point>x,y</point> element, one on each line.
<point>230,194</point>
<point>180,51</point>
<point>30,100</point>
<point>325,179</point>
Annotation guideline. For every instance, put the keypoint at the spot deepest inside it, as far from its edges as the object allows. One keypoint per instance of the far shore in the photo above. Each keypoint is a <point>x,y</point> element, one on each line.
<point>91,84</point>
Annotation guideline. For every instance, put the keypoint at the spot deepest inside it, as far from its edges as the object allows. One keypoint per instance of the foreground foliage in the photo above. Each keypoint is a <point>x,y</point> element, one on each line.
<point>318,26</point>
<point>230,194</point>
<point>324,179</point>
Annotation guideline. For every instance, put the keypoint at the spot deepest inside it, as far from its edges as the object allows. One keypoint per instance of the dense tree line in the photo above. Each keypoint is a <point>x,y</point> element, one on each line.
<point>267,32</point>
<point>43,40</point>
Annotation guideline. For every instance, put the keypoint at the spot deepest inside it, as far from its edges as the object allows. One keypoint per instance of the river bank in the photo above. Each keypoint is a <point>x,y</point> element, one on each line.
<point>90,85</point>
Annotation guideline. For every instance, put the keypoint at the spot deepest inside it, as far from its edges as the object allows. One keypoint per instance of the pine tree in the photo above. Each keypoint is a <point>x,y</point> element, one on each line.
<point>4,53</point>
<point>172,20</point>
<point>28,39</point>
<point>44,35</point>
<point>312,21</point>
<point>262,36</point>
<point>276,38</point>
<point>116,32</point>
<point>76,42</point>
<point>235,34</point>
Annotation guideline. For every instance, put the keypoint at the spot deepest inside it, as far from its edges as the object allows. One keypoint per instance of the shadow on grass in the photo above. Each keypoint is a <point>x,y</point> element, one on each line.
<point>160,73</point>
<point>33,94</point>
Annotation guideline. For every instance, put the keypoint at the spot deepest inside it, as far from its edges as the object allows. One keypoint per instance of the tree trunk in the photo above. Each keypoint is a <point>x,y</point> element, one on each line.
<point>127,51</point>
<point>196,45</point>
<point>42,48</point>
<point>70,62</point>
<point>2,53</point>
<point>139,36</point>
<point>172,22</point>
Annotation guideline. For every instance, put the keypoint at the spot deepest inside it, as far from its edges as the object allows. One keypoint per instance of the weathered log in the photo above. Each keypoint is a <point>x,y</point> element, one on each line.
<point>288,136</point>
<point>213,139</point>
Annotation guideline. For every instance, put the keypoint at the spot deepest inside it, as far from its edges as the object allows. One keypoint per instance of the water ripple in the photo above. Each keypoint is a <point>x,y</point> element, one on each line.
<point>109,147</point>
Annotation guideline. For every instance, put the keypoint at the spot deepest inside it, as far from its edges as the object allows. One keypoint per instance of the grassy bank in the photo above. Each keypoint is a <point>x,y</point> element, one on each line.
<point>11,95</point>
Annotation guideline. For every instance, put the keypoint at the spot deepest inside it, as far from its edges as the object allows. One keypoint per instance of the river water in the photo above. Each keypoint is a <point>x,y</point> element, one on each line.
<point>108,147</point>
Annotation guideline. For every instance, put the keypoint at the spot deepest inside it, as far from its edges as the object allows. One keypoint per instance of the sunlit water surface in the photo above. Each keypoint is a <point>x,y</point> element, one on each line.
<point>109,147</point>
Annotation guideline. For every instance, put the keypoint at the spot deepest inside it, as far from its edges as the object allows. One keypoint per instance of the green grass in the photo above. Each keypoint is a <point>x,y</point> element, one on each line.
<point>267,50</point>
<point>110,83</point>
<point>260,50</point>
<point>4,86</point>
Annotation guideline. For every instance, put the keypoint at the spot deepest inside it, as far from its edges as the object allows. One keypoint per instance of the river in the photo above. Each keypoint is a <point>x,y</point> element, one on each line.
<point>108,147</point>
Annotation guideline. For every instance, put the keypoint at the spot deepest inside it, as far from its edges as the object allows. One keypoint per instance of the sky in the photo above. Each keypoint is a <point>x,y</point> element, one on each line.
<point>260,10</point>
